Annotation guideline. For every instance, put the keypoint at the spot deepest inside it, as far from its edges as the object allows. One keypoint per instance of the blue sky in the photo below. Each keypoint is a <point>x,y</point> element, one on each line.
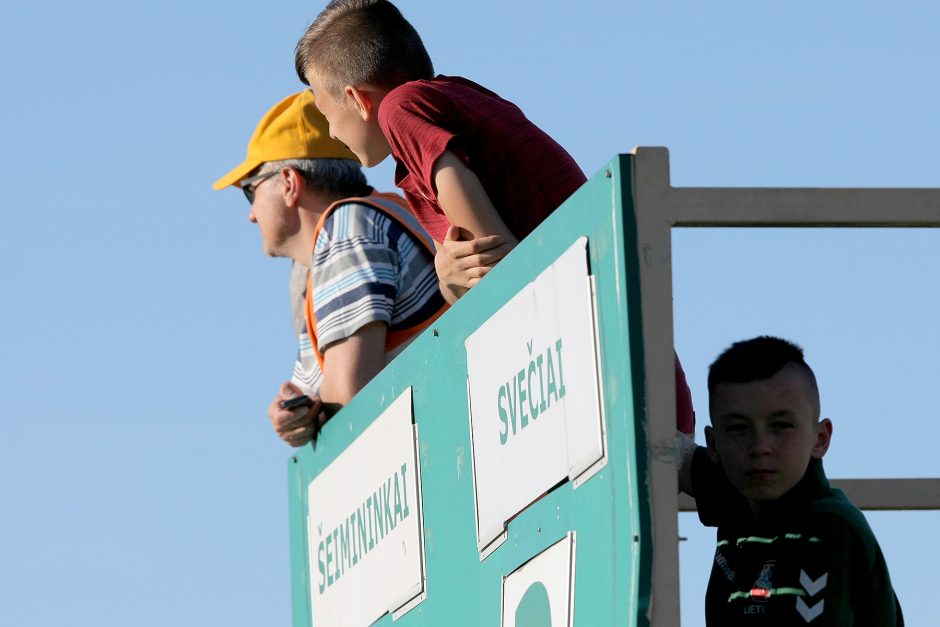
<point>144,332</point>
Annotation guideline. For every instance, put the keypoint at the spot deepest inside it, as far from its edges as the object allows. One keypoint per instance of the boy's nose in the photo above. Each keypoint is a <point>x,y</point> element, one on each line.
<point>759,443</point>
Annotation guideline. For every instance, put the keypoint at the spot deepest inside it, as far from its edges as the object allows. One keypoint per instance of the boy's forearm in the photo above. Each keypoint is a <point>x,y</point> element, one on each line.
<point>464,200</point>
<point>685,449</point>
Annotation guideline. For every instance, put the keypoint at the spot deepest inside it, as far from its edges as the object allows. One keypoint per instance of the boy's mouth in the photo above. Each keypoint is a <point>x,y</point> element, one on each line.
<point>759,474</point>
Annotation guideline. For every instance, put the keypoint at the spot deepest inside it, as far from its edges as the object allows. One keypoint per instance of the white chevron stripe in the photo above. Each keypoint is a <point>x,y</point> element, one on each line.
<point>808,613</point>
<point>813,587</point>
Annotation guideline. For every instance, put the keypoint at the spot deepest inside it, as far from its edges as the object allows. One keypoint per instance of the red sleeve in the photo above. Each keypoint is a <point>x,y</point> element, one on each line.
<point>685,413</point>
<point>416,119</point>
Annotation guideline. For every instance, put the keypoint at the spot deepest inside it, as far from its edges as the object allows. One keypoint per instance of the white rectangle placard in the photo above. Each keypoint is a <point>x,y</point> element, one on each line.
<point>541,591</point>
<point>535,414</point>
<point>364,528</point>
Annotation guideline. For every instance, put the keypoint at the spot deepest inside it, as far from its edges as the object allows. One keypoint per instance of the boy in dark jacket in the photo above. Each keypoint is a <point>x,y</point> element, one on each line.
<point>791,549</point>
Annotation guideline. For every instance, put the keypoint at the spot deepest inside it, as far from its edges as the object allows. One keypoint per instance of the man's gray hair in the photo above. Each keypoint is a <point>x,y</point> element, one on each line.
<point>337,177</point>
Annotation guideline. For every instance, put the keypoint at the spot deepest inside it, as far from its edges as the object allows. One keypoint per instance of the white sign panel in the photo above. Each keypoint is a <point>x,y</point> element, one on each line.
<point>535,411</point>
<point>364,527</point>
<point>540,593</point>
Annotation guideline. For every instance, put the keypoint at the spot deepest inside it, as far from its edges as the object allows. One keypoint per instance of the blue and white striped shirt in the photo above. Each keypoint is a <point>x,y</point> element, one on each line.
<point>365,268</point>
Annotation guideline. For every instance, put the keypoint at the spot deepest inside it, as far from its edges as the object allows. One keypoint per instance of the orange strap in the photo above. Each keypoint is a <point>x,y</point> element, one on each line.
<point>395,207</point>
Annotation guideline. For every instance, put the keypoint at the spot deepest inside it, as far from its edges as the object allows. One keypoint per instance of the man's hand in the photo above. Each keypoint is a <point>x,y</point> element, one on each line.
<point>461,261</point>
<point>295,426</point>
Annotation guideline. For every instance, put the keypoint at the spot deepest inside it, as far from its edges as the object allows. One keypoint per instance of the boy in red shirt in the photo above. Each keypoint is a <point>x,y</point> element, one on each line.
<point>478,175</point>
<point>465,158</point>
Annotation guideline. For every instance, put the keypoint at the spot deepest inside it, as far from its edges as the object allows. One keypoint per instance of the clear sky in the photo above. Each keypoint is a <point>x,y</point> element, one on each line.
<point>144,332</point>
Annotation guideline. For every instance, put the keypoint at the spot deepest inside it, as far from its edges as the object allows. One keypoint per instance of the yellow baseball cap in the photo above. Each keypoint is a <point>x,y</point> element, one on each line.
<point>291,129</point>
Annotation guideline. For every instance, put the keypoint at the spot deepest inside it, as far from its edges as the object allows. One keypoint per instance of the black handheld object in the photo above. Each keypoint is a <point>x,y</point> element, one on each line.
<point>297,401</point>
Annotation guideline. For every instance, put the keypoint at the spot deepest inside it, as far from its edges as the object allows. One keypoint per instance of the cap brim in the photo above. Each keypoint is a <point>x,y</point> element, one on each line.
<point>240,172</point>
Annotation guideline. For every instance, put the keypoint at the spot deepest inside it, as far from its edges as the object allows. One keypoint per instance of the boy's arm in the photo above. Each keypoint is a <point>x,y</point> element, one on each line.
<point>467,205</point>
<point>716,499</point>
<point>461,261</point>
<point>856,589</point>
<point>685,447</point>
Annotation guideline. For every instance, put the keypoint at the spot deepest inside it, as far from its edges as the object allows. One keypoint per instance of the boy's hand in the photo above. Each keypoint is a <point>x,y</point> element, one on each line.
<point>295,426</point>
<point>685,449</point>
<point>461,261</point>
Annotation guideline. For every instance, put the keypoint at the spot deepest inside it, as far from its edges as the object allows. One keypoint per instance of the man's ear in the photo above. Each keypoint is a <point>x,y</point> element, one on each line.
<point>361,101</point>
<point>710,443</point>
<point>823,438</point>
<point>292,186</point>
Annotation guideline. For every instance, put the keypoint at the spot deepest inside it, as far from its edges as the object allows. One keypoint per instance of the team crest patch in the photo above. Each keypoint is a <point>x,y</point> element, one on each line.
<point>763,587</point>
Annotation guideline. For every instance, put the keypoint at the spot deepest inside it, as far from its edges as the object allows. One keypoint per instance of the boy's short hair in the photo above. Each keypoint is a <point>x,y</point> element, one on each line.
<point>758,359</point>
<point>359,42</point>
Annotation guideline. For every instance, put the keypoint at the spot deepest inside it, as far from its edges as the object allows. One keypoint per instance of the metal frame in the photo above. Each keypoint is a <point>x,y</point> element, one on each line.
<point>875,494</point>
<point>659,207</point>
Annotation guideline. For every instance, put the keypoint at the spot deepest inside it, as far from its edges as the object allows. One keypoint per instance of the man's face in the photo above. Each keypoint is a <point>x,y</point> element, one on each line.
<point>276,222</point>
<point>352,121</point>
<point>765,432</point>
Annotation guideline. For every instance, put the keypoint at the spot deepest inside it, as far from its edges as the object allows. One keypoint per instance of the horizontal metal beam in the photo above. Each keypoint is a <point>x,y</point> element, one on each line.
<point>875,494</point>
<point>901,208</point>
<point>786,206</point>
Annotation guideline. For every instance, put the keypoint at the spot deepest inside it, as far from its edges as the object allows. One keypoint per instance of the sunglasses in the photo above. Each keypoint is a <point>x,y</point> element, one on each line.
<point>250,184</point>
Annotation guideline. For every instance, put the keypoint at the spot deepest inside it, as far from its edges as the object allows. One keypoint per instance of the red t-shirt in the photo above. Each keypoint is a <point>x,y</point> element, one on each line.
<point>525,173</point>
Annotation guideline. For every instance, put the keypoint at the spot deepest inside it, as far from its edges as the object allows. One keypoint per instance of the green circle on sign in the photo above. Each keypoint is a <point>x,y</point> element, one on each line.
<point>534,609</point>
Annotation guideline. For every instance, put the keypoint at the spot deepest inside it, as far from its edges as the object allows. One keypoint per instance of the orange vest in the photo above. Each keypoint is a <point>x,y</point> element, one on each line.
<point>395,207</point>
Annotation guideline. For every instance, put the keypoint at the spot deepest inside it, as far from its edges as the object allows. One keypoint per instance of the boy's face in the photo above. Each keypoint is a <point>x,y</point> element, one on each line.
<point>765,432</point>
<point>353,120</point>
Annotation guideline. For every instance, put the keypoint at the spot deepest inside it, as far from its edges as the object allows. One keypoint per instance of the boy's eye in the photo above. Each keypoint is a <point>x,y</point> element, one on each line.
<point>782,424</point>
<point>737,427</point>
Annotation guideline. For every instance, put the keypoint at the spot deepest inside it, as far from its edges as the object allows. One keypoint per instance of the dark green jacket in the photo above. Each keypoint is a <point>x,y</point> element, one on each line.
<point>808,558</point>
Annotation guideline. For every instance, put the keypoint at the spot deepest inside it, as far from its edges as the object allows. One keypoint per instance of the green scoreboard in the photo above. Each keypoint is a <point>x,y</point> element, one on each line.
<point>495,472</point>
